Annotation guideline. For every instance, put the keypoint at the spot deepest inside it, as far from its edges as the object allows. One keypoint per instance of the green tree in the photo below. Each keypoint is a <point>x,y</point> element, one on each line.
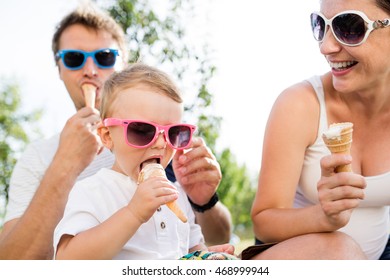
<point>160,37</point>
<point>14,132</point>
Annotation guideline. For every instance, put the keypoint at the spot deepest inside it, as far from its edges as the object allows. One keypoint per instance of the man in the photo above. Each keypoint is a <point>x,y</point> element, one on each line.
<point>88,46</point>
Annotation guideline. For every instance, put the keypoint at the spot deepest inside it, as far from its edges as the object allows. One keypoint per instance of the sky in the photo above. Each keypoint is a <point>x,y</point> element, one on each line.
<point>259,48</point>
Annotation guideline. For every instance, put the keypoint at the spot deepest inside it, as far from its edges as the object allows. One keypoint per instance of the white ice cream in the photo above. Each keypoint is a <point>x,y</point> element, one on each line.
<point>334,131</point>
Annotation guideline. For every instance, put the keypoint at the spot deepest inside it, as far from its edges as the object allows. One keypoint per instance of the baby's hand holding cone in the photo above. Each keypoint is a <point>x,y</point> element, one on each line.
<point>156,170</point>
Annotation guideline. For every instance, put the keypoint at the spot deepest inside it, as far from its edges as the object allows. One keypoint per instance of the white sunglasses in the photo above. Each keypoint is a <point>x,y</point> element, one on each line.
<point>350,28</point>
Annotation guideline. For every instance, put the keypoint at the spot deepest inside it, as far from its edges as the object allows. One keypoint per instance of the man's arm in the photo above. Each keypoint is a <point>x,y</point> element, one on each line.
<point>31,235</point>
<point>198,172</point>
<point>215,223</point>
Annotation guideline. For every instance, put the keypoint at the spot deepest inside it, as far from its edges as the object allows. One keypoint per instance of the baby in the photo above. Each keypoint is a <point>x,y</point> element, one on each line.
<point>109,215</point>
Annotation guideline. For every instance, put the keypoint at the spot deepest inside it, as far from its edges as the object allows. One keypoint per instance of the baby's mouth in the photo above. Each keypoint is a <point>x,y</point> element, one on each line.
<point>151,160</point>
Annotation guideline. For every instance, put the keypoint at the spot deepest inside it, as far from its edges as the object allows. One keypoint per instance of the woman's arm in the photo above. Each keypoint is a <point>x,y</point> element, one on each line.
<point>291,128</point>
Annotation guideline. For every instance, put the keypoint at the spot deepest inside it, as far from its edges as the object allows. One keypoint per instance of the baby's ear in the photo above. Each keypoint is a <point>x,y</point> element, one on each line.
<point>105,136</point>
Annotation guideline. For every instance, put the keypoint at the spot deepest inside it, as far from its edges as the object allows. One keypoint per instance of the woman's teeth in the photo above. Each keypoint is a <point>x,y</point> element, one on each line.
<point>342,65</point>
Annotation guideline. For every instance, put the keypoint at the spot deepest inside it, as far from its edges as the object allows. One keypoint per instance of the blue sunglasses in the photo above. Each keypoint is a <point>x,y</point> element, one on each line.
<point>75,59</point>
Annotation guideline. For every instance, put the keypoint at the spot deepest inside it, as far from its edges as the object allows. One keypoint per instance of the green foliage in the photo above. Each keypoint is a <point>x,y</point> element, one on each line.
<point>13,135</point>
<point>151,34</point>
<point>157,33</point>
<point>159,37</point>
<point>236,192</point>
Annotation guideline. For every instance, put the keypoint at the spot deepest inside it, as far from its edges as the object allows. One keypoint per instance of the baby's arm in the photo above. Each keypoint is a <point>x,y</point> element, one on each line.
<point>105,240</point>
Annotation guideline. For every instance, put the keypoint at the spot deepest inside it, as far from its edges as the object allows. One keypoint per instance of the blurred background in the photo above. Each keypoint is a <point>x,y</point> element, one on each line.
<point>231,59</point>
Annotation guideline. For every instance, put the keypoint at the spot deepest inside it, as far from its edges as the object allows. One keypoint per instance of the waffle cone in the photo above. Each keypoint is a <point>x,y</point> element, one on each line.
<point>89,95</point>
<point>340,143</point>
<point>156,170</point>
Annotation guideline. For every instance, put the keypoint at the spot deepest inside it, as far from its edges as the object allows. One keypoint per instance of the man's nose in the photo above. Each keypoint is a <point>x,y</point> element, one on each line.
<point>90,68</point>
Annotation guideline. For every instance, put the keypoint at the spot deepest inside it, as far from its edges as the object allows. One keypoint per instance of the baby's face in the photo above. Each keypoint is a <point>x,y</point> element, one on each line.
<point>142,103</point>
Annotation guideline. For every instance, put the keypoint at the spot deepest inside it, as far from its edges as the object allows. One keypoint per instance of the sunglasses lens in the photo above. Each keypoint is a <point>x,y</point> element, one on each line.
<point>349,28</point>
<point>317,26</point>
<point>179,136</point>
<point>73,59</point>
<point>106,58</point>
<point>140,134</point>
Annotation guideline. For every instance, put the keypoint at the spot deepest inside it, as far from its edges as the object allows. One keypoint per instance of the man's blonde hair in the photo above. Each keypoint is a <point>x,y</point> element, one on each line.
<point>90,16</point>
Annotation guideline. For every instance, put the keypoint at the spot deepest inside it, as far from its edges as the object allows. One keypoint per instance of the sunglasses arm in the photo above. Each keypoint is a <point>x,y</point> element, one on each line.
<point>112,122</point>
<point>381,23</point>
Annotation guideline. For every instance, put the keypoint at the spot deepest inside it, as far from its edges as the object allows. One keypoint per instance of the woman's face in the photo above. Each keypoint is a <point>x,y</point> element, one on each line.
<point>361,67</point>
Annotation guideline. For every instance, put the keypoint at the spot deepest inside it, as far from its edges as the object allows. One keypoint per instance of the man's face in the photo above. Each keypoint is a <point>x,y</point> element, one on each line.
<point>78,37</point>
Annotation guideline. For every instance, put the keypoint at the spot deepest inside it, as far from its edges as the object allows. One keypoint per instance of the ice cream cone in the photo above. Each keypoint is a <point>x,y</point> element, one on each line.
<point>338,139</point>
<point>89,95</point>
<point>156,170</point>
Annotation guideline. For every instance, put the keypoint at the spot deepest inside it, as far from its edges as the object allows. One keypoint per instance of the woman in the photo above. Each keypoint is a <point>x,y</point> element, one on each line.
<point>301,200</point>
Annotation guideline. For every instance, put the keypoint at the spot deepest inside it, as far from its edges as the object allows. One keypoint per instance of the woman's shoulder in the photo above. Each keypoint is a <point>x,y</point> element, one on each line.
<point>300,97</point>
<point>301,91</point>
<point>297,105</point>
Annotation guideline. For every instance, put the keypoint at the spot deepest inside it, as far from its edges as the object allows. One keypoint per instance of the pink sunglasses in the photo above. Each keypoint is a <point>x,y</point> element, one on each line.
<point>141,134</point>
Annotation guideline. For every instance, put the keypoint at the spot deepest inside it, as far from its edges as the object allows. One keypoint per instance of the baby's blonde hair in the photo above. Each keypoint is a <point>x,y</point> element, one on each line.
<point>134,75</point>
